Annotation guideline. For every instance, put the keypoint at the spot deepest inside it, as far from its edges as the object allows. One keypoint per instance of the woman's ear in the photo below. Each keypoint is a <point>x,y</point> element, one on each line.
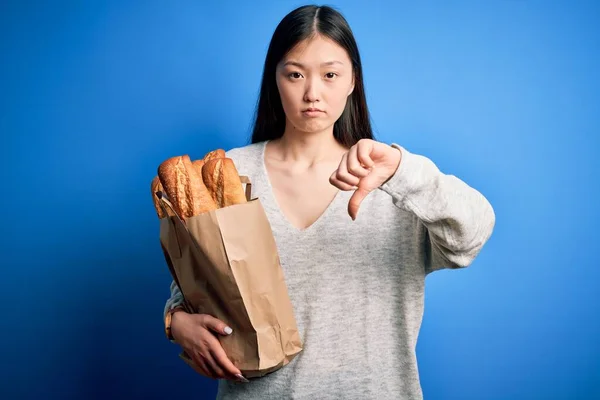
<point>351,87</point>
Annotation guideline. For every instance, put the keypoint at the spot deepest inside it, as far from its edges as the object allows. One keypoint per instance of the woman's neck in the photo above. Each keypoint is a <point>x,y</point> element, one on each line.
<point>308,148</point>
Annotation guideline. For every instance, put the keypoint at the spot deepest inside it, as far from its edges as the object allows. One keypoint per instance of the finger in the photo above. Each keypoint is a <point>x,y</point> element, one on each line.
<point>220,362</point>
<point>355,201</point>
<point>343,175</point>
<point>212,363</point>
<point>364,150</point>
<point>230,371</point>
<point>204,368</point>
<point>200,367</point>
<point>207,371</point>
<point>340,185</point>
<point>223,361</point>
<point>215,325</point>
<point>354,165</point>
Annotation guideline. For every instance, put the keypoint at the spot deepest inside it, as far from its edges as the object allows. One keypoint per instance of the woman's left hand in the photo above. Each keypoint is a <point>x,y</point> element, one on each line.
<point>366,166</point>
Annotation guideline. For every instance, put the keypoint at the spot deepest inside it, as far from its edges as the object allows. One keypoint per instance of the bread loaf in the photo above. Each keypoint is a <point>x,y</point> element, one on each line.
<point>184,187</point>
<point>156,186</point>
<point>223,182</point>
<point>198,164</point>
<point>213,155</point>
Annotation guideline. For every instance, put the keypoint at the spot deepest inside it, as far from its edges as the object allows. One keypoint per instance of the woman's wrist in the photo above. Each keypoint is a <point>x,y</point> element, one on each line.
<point>178,316</point>
<point>170,319</point>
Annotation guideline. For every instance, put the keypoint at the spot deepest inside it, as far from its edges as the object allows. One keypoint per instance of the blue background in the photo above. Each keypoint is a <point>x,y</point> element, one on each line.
<point>503,94</point>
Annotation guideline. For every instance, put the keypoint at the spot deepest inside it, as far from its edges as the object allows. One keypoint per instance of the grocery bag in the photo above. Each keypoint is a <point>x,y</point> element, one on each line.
<point>226,264</point>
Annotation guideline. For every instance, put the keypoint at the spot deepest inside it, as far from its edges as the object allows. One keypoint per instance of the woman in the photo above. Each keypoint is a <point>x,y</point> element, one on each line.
<point>358,224</point>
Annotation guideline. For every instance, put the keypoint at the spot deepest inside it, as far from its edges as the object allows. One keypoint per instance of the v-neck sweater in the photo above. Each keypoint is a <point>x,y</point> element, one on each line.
<point>357,287</point>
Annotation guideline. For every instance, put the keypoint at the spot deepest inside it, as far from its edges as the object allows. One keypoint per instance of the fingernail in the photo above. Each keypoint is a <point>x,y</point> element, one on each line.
<point>228,330</point>
<point>241,378</point>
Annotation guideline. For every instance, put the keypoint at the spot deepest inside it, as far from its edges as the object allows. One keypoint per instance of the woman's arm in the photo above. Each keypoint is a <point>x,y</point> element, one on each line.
<point>459,219</point>
<point>175,300</point>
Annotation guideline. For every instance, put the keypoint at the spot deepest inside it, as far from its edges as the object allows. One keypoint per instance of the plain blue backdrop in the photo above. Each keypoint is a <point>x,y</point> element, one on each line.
<point>94,95</point>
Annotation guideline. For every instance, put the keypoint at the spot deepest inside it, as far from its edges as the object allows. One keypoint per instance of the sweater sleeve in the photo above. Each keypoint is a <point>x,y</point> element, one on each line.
<point>173,301</point>
<point>458,220</point>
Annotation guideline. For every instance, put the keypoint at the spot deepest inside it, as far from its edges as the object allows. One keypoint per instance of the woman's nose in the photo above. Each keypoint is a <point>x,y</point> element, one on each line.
<point>312,91</point>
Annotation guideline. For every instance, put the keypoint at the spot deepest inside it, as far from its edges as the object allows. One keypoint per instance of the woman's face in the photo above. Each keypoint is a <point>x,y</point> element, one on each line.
<point>316,73</point>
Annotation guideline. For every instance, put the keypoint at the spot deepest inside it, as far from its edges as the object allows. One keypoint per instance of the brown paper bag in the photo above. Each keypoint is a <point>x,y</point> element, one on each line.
<point>226,264</point>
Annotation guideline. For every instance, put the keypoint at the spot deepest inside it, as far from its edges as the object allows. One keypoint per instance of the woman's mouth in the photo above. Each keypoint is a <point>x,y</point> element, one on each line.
<point>312,112</point>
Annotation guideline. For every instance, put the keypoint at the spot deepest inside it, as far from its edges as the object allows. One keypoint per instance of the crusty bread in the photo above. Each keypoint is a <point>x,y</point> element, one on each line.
<point>198,164</point>
<point>223,182</point>
<point>184,187</point>
<point>213,155</point>
<point>156,186</point>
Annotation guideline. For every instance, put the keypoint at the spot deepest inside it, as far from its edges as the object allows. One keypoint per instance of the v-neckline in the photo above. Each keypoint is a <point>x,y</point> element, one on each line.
<point>277,207</point>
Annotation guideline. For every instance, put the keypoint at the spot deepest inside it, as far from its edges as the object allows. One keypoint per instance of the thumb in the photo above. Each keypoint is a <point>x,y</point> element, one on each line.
<point>365,186</point>
<point>355,201</point>
<point>216,325</point>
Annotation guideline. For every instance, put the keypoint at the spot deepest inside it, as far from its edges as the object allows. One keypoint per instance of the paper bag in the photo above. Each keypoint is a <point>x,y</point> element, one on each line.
<point>226,264</point>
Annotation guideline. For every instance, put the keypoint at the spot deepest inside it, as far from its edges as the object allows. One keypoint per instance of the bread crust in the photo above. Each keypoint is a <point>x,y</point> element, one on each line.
<point>199,186</point>
<point>213,155</point>
<point>155,186</point>
<point>223,182</point>
<point>184,187</point>
<point>198,164</point>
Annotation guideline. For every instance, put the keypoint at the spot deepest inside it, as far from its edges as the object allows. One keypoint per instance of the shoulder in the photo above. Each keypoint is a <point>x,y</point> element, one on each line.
<point>247,151</point>
<point>246,158</point>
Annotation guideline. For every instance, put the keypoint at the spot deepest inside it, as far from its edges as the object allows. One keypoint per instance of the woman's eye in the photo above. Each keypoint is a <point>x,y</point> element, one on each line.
<point>298,75</point>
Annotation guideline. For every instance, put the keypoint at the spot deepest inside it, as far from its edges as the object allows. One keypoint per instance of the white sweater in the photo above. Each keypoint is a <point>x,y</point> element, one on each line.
<point>357,287</point>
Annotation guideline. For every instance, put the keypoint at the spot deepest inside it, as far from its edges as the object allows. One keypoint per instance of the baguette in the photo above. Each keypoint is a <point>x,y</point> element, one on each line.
<point>198,164</point>
<point>184,187</point>
<point>213,155</point>
<point>156,186</point>
<point>223,182</point>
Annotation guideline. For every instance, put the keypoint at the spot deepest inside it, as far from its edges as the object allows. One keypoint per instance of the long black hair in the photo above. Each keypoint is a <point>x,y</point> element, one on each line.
<point>303,23</point>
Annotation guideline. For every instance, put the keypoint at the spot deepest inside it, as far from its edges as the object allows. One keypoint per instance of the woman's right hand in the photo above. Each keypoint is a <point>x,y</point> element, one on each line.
<point>196,335</point>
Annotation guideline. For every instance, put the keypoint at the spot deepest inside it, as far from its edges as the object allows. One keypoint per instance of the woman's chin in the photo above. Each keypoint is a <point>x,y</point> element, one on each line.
<point>312,127</point>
